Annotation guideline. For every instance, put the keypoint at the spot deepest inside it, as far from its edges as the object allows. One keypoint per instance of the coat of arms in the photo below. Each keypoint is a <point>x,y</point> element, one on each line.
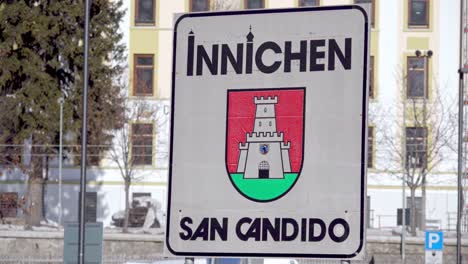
<point>264,141</point>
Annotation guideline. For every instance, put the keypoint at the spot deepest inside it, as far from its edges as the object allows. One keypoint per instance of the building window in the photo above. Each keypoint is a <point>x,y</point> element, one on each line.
<point>144,71</point>
<point>254,4</point>
<point>199,5</point>
<point>10,153</point>
<point>309,2</point>
<point>372,2</point>
<point>418,208</point>
<point>369,213</point>
<point>144,12</point>
<point>94,155</point>
<point>142,144</point>
<point>8,204</point>
<point>370,147</point>
<point>418,13</point>
<point>371,77</point>
<point>416,147</point>
<point>91,200</point>
<point>140,194</point>
<point>416,77</point>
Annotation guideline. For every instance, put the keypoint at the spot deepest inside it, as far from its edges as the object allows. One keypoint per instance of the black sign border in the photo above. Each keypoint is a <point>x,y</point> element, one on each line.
<point>363,132</point>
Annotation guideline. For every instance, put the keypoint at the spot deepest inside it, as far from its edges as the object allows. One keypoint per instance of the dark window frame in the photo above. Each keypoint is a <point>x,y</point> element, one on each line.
<point>9,204</point>
<point>94,156</point>
<point>370,146</point>
<point>410,71</point>
<point>410,24</point>
<point>142,158</point>
<point>417,207</point>
<point>416,146</point>
<point>135,75</point>
<point>373,11</point>
<point>91,206</point>
<point>191,6</point>
<point>372,77</point>
<point>11,153</point>
<point>301,3</point>
<point>246,4</point>
<point>137,11</point>
<point>140,194</point>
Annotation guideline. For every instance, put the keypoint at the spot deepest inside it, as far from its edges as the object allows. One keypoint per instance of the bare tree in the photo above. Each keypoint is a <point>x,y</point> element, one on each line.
<point>418,138</point>
<point>120,153</point>
<point>129,154</point>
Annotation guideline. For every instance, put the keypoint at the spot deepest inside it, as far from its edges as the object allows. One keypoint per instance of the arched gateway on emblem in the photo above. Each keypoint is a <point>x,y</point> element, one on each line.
<point>264,170</point>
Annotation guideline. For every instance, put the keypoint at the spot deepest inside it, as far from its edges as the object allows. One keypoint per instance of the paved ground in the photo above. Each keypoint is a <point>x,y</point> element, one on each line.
<point>45,245</point>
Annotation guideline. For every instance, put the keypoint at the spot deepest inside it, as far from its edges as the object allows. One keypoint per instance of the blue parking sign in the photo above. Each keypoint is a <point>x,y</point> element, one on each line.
<point>434,240</point>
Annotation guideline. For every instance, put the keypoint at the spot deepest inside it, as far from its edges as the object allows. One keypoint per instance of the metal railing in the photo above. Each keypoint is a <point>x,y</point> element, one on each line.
<point>452,221</point>
<point>383,218</point>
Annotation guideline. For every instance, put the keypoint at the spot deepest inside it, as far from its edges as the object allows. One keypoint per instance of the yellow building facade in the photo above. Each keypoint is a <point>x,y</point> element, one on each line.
<point>409,62</point>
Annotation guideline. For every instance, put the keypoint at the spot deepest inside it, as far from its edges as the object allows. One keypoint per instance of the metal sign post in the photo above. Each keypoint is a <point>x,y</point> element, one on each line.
<point>84,131</point>
<point>461,94</point>
<point>61,101</point>
<point>268,133</point>
<point>403,220</point>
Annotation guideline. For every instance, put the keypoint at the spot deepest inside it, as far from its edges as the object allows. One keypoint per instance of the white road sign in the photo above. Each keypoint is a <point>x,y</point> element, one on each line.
<point>434,247</point>
<point>268,133</point>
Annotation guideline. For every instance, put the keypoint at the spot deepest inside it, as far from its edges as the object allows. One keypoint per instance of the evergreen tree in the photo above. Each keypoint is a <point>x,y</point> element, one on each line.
<point>41,60</point>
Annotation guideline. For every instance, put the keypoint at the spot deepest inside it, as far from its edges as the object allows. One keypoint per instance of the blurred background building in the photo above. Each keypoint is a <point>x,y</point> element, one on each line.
<point>412,125</point>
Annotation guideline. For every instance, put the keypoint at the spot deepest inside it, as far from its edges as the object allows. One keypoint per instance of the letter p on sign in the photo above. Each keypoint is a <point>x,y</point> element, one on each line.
<point>434,240</point>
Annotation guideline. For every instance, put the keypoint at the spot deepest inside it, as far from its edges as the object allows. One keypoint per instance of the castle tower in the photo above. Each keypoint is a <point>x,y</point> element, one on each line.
<point>264,154</point>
